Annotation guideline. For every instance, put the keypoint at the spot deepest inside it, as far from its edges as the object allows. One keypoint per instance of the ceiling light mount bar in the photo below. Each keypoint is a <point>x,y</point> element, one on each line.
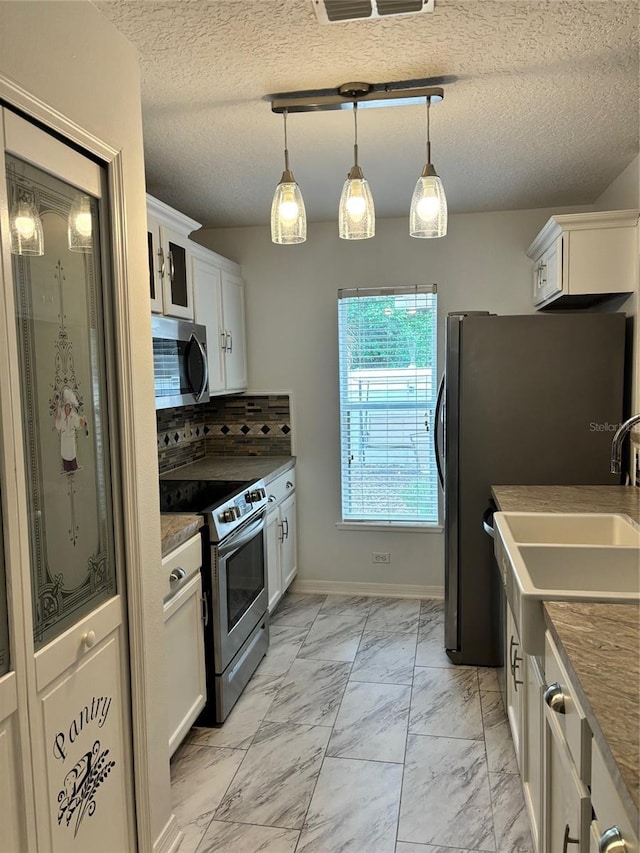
<point>364,94</point>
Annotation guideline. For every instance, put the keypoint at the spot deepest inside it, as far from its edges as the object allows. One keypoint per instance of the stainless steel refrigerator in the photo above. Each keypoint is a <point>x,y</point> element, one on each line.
<point>524,400</point>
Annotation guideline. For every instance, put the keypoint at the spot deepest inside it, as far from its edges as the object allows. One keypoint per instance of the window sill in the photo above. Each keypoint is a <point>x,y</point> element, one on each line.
<point>390,527</point>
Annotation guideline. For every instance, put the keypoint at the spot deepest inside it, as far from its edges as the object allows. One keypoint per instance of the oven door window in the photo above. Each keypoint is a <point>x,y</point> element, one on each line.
<point>245,578</point>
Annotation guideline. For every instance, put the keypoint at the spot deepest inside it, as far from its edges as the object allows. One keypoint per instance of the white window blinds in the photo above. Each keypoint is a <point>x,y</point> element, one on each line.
<point>387,363</point>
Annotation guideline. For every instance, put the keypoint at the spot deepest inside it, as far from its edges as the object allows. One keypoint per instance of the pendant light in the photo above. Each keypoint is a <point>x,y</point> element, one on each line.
<point>80,225</point>
<point>357,217</point>
<point>428,214</point>
<point>288,216</point>
<point>25,225</point>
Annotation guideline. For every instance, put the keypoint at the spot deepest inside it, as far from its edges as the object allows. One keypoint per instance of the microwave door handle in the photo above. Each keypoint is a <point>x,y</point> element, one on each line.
<point>205,370</point>
<point>436,443</point>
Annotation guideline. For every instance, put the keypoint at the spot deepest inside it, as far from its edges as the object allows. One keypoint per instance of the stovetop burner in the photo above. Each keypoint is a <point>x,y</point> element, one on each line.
<point>198,495</point>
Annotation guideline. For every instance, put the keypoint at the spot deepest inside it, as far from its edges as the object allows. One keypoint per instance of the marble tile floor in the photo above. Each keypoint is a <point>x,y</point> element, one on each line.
<point>355,735</point>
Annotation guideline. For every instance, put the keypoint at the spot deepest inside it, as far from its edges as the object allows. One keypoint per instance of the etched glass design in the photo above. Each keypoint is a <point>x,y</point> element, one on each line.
<point>61,342</point>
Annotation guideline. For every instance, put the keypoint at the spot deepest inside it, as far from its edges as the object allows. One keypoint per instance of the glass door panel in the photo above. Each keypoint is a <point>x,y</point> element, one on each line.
<point>59,308</point>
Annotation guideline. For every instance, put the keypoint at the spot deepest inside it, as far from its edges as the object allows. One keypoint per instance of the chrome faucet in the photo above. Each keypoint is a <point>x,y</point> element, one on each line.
<point>618,438</point>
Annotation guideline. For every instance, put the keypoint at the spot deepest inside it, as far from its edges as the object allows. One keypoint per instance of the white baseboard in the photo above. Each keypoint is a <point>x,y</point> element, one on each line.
<point>384,590</point>
<point>170,838</point>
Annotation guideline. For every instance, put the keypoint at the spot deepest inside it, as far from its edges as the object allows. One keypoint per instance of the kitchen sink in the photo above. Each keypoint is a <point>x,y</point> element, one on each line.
<point>561,571</point>
<point>572,529</point>
<point>558,557</point>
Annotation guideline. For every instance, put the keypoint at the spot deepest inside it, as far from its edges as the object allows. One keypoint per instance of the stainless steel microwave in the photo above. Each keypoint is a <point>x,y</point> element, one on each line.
<point>180,368</point>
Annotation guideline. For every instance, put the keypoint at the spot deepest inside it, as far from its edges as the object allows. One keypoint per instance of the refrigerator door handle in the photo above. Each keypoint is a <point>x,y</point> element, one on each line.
<point>487,521</point>
<point>436,432</point>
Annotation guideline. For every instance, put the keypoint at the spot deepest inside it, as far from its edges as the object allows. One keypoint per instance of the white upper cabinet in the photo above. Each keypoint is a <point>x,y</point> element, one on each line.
<point>580,258</point>
<point>170,284</point>
<point>219,305</point>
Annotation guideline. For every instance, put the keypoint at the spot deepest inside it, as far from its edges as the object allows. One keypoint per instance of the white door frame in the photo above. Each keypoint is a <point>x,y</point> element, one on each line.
<point>14,95</point>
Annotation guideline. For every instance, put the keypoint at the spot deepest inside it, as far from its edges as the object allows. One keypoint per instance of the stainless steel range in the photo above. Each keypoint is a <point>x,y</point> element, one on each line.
<point>234,581</point>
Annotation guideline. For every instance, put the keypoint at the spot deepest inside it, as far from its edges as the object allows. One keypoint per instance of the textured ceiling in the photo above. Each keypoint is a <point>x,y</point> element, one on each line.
<point>543,110</point>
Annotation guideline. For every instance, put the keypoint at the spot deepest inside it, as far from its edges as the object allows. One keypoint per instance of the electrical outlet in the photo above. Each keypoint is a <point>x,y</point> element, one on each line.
<point>378,557</point>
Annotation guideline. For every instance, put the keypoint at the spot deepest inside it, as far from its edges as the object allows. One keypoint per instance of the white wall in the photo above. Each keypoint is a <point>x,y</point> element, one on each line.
<point>71,59</point>
<point>624,194</point>
<point>292,333</point>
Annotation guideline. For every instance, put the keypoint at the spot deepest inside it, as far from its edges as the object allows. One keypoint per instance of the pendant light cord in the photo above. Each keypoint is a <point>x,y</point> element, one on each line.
<point>286,147</point>
<point>428,131</point>
<point>355,124</point>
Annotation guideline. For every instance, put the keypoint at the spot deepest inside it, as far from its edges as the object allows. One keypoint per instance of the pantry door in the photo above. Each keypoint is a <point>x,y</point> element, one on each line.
<point>63,402</point>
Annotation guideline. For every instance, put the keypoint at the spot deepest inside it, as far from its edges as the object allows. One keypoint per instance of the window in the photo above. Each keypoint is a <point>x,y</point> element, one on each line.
<point>387,363</point>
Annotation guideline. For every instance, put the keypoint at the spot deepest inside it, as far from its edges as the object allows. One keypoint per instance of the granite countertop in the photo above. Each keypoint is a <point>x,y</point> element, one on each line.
<point>622,499</point>
<point>600,647</point>
<point>598,642</point>
<point>176,528</point>
<point>266,468</point>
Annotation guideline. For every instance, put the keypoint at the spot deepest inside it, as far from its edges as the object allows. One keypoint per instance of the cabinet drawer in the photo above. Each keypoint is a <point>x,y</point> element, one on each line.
<point>282,486</point>
<point>188,558</point>
<point>567,804</point>
<point>572,722</point>
<point>607,805</point>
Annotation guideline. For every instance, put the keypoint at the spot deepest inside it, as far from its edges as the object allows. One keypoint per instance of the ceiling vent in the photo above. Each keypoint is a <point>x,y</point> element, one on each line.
<point>337,11</point>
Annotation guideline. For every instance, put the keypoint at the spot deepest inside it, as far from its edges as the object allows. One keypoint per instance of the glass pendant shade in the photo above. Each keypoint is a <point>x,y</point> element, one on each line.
<point>80,225</point>
<point>428,214</point>
<point>357,216</point>
<point>356,213</point>
<point>25,227</point>
<point>288,216</point>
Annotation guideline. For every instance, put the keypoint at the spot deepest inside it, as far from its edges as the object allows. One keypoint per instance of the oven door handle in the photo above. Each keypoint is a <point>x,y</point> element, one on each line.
<point>240,537</point>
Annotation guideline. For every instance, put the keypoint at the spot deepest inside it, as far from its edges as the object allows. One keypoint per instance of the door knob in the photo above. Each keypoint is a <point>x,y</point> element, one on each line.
<point>555,698</point>
<point>611,841</point>
<point>88,639</point>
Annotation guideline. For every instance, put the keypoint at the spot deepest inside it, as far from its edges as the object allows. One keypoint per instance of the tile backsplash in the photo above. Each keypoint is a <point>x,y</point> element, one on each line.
<point>256,425</point>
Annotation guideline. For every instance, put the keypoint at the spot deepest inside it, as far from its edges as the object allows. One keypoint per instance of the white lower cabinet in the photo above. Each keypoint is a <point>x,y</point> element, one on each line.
<point>184,641</point>
<point>611,829</point>
<point>280,534</point>
<point>567,802</point>
<point>515,684</point>
<point>531,737</point>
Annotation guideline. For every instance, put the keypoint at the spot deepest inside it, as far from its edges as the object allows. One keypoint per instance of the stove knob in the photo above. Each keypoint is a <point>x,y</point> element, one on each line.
<point>226,516</point>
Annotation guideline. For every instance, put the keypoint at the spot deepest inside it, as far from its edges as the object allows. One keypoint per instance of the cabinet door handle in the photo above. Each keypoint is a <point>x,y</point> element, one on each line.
<point>555,698</point>
<point>281,535</point>
<point>568,839</point>
<point>513,643</point>
<point>611,841</point>
<point>88,639</point>
<point>205,610</point>
<point>171,266</point>
<point>229,337</point>
<point>161,256</point>
<point>286,529</point>
<point>177,574</point>
<point>289,484</point>
<point>271,499</point>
